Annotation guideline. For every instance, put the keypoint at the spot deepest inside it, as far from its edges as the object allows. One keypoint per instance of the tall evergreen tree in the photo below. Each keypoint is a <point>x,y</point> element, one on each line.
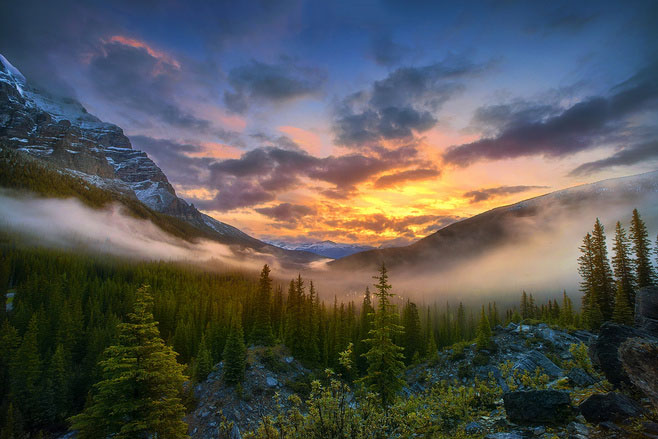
<point>644,274</point>
<point>622,312</point>
<point>26,374</point>
<point>602,274</point>
<point>235,353</point>
<point>385,359</point>
<point>623,265</point>
<point>588,285</point>
<point>411,338</point>
<point>483,331</point>
<point>365,326</point>
<point>203,363</point>
<point>262,331</point>
<point>312,351</point>
<point>139,395</point>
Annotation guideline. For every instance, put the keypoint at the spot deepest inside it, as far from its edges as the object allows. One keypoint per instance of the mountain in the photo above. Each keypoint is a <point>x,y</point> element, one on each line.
<point>60,133</point>
<point>533,230</point>
<point>327,248</point>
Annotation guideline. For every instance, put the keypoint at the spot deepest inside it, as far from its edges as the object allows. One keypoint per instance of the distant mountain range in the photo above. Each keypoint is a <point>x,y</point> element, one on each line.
<point>61,133</point>
<point>328,249</point>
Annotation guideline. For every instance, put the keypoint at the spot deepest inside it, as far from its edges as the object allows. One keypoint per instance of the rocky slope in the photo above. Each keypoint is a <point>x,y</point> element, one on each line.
<point>60,132</point>
<point>328,249</point>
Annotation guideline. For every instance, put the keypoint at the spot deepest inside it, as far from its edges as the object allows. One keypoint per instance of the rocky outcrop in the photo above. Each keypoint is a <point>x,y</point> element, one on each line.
<point>640,360</point>
<point>613,406</point>
<point>605,351</point>
<point>646,310</point>
<point>534,359</point>
<point>580,378</point>
<point>538,407</point>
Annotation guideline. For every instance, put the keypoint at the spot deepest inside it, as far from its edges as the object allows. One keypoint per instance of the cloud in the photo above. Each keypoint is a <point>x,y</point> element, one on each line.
<point>258,82</point>
<point>638,153</point>
<point>387,52</point>
<point>538,131</point>
<point>493,192</point>
<point>404,176</point>
<point>258,175</point>
<point>287,212</point>
<point>401,104</point>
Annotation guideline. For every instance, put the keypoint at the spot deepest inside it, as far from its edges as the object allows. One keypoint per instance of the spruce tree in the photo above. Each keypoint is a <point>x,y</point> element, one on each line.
<point>622,312</point>
<point>602,274</point>
<point>644,274</point>
<point>365,325</point>
<point>483,331</point>
<point>203,364</point>
<point>139,395</point>
<point>262,331</point>
<point>411,337</point>
<point>312,351</point>
<point>623,264</point>
<point>588,285</point>
<point>25,374</point>
<point>385,359</point>
<point>235,353</point>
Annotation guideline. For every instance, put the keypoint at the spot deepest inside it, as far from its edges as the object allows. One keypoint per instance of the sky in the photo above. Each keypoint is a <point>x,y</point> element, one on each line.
<point>373,122</point>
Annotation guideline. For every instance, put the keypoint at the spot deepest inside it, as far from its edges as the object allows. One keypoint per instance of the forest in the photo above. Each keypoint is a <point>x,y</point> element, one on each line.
<point>71,320</point>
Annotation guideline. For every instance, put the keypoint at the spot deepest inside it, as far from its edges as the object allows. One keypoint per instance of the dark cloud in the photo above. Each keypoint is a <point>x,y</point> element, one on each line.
<point>270,170</point>
<point>488,193</point>
<point>588,123</point>
<point>631,155</point>
<point>402,103</point>
<point>271,83</point>
<point>404,176</point>
<point>287,212</point>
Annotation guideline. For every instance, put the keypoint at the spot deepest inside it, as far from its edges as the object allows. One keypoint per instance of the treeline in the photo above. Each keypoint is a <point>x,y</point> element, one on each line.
<point>609,289</point>
<point>65,310</point>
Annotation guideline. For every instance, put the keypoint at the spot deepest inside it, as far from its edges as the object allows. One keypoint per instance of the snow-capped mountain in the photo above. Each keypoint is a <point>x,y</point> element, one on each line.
<point>60,132</point>
<point>328,249</point>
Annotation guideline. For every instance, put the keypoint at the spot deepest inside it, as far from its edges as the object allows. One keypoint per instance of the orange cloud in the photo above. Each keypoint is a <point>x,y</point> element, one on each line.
<point>132,42</point>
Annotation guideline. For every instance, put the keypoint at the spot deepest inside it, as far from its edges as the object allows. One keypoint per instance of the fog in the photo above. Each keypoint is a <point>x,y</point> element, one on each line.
<point>68,224</point>
<point>536,252</point>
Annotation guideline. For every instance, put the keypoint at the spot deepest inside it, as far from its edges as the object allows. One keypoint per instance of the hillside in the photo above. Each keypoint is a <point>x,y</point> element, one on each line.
<point>560,213</point>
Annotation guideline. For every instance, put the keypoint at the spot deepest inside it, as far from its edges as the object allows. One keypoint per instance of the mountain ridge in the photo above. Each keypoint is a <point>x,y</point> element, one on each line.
<point>60,132</point>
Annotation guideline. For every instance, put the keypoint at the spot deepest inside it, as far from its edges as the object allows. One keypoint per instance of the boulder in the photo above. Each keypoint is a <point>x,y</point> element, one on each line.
<point>604,352</point>
<point>580,378</point>
<point>646,309</point>
<point>639,356</point>
<point>538,407</point>
<point>613,406</point>
<point>271,381</point>
<point>534,359</point>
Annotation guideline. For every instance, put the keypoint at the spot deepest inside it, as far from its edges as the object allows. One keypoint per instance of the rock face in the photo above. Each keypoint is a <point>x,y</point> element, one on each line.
<point>580,378</point>
<point>640,360</point>
<point>605,351</point>
<point>538,407</point>
<point>602,407</point>
<point>535,359</point>
<point>646,309</point>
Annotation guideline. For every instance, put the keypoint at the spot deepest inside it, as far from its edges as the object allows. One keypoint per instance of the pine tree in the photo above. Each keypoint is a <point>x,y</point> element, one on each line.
<point>139,395</point>
<point>644,274</point>
<point>385,359</point>
<point>411,336</point>
<point>566,313</point>
<point>26,374</point>
<point>312,351</point>
<point>591,307</point>
<point>483,331</point>
<point>262,332</point>
<point>525,306</point>
<point>60,377</point>
<point>13,425</point>
<point>235,353</point>
<point>203,364</point>
<point>365,326</point>
<point>622,312</point>
<point>602,274</point>
<point>623,265</point>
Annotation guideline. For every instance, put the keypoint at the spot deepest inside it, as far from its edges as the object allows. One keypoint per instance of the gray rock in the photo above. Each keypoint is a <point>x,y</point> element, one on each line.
<point>271,381</point>
<point>534,359</point>
<point>646,309</point>
<point>604,352</point>
<point>473,428</point>
<point>613,406</point>
<point>538,407</point>
<point>580,378</point>
<point>288,359</point>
